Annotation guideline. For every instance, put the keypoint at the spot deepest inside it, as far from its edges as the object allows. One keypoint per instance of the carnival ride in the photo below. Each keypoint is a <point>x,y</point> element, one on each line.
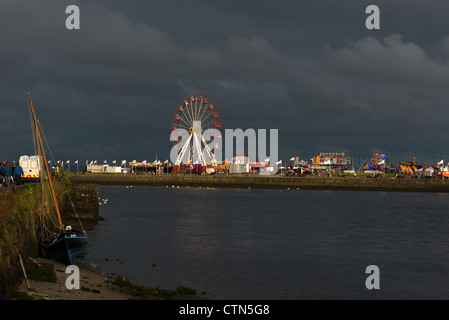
<point>194,115</point>
<point>421,170</point>
<point>335,161</point>
<point>379,162</point>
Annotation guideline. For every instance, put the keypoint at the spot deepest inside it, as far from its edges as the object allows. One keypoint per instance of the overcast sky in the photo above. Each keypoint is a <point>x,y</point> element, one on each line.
<point>310,69</point>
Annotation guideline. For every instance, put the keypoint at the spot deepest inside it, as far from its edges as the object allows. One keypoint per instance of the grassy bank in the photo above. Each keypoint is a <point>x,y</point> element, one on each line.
<point>26,214</point>
<point>342,182</point>
<point>21,219</point>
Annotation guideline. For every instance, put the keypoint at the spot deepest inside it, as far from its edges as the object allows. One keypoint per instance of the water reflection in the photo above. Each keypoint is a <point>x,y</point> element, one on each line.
<point>276,244</point>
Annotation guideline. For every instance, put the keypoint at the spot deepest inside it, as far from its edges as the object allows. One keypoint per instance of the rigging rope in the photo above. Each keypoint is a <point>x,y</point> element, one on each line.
<point>44,186</point>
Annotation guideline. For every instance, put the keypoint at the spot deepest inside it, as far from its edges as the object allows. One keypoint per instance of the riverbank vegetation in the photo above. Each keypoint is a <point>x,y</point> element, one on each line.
<point>25,214</point>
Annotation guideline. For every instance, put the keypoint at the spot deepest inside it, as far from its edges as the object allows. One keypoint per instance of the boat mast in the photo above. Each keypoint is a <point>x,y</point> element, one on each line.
<point>45,162</point>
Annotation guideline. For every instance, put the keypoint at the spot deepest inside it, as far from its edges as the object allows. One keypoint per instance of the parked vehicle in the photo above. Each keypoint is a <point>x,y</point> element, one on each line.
<point>31,166</point>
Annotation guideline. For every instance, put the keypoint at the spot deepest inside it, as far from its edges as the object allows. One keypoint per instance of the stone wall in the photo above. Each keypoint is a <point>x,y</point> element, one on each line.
<point>274,182</point>
<point>85,200</point>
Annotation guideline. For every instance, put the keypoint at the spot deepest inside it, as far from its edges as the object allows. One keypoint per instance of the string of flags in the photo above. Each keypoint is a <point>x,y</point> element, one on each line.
<point>93,162</point>
<point>134,162</point>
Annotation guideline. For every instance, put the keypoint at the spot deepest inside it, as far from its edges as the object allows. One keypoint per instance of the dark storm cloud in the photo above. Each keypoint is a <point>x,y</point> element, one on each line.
<point>310,69</point>
<point>390,60</point>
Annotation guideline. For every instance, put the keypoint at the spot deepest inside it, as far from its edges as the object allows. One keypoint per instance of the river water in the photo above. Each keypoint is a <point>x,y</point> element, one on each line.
<point>247,244</point>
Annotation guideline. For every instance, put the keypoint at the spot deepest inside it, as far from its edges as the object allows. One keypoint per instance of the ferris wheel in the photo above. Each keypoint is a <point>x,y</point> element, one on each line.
<point>196,113</point>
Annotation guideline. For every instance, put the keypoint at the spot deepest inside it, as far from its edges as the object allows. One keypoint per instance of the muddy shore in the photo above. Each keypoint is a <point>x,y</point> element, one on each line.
<point>94,285</point>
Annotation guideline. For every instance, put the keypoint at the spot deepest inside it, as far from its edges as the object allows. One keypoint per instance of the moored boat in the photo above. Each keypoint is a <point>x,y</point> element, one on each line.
<point>66,243</point>
<point>64,246</point>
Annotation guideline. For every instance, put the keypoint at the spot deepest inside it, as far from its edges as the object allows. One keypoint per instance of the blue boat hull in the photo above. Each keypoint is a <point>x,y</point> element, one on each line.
<point>64,247</point>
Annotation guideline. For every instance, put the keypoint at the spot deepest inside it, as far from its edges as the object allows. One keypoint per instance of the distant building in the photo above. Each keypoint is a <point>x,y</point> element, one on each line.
<point>240,160</point>
<point>102,168</point>
<point>267,171</point>
<point>95,168</point>
<point>240,164</point>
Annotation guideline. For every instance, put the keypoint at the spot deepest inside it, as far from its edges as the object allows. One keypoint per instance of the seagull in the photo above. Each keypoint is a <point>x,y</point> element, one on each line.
<point>94,266</point>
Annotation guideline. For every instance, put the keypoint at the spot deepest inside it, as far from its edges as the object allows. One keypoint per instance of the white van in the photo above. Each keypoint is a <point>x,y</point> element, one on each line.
<point>31,166</point>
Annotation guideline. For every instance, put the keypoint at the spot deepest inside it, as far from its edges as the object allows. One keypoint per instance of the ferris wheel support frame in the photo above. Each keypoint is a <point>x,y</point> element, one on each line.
<point>182,152</point>
<point>197,138</point>
<point>209,152</point>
